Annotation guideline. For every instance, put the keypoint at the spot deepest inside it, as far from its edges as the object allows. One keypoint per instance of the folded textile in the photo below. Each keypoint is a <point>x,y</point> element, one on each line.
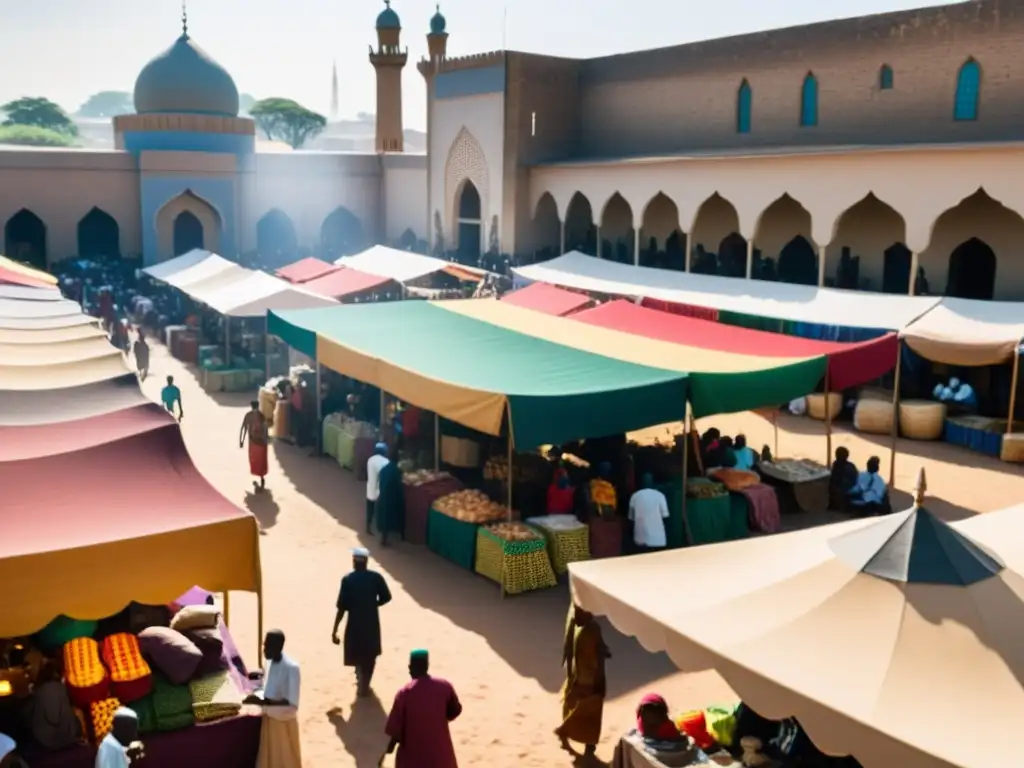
<point>172,705</point>
<point>215,696</point>
<point>146,713</point>
<point>130,676</point>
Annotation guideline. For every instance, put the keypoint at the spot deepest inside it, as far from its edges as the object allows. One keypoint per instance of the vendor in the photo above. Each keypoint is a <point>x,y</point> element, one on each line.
<point>601,498</point>
<point>870,496</point>
<point>721,456</point>
<point>843,479</point>
<point>746,458</point>
<point>561,494</point>
<point>653,721</point>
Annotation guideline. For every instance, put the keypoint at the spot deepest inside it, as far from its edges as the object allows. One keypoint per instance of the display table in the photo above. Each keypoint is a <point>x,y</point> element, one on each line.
<point>605,537</point>
<point>802,485</point>
<point>761,505</point>
<point>346,454</point>
<point>631,752</point>
<point>362,450</point>
<point>516,566</point>
<point>418,500</point>
<point>329,439</point>
<point>230,743</point>
<point>564,545</point>
<point>229,379</point>
<point>976,433</point>
<point>715,519</point>
<point>454,540</point>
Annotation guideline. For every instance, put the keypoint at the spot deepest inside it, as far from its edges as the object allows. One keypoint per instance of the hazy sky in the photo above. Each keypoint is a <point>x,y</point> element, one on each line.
<point>68,49</point>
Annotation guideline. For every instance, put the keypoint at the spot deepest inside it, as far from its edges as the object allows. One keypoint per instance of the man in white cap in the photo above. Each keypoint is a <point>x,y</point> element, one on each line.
<point>120,748</point>
<point>362,594</point>
<point>374,465</point>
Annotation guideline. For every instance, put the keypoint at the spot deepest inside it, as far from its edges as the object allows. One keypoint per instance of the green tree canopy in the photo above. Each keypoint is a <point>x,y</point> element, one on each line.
<point>32,136</point>
<point>108,104</point>
<point>39,112</point>
<point>288,121</point>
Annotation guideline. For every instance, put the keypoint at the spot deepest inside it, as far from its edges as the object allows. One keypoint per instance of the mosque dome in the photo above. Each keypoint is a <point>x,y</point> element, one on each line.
<point>184,79</point>
<point>388,19</point>
<point>437,23</point>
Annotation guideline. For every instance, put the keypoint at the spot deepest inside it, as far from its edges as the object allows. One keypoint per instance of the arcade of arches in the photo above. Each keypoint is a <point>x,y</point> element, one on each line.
<point>970,242</point>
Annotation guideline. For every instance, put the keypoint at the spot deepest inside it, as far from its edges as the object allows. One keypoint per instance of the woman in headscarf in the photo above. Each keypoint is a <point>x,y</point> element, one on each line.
<point>583,694</point>
<point>653,721</point>
<point>561,494</point>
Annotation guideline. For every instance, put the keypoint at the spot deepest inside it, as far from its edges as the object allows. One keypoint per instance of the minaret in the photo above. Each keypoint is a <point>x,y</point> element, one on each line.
<point>437,39</point>
<point>334,92</point>
<point>437,45</point>
<point>389,60</point>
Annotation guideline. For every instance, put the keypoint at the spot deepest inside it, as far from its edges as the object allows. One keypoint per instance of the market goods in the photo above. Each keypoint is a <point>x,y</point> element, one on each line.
<point>526,468</point>
<point>735,479</point>
<point>704,489</point>
<point>423,476</point>
<point>513,531</point>
<point>922,419</point>
<point>873,416</point>
<point>470,506</point>
<point>102,715</point>
<point>130,675</point>
<point>795,470</point>
<point>84,673</point>
<point>816,405</point>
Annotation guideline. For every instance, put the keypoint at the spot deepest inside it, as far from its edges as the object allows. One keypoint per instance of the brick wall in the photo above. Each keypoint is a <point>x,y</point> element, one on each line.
<point>684,98</point>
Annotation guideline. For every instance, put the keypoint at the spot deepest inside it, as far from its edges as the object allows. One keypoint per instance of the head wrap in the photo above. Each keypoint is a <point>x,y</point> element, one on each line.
<point>420,653</point>
<point>126,713</point>
<point>381,449</point>
<point>361,552</point>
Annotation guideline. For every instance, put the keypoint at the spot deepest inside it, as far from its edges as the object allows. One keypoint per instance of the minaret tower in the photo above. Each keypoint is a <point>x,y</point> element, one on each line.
<point>389,60</point>
<point>437,39</point>
<point>437,46</point>
<point>334,93</point>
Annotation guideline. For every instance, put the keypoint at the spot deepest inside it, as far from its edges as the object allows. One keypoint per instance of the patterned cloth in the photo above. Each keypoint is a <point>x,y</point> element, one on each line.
<point>85,674</point>
<point>763,514</point>
<point>130,675</point>
<point>102,715</point>
<point>516,572</point>
<point>215,696</point>
<point>172,705</point>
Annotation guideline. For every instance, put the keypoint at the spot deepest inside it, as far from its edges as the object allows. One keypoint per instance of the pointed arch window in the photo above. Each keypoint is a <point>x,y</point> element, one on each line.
<point>809,101</point>
<point>744,100</point>
<point>968,91</point>
<point>885,78</point>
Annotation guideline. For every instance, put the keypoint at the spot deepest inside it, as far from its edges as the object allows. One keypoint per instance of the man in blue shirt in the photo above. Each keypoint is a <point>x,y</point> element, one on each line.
<point>171,395</point>
<point>870,496</point>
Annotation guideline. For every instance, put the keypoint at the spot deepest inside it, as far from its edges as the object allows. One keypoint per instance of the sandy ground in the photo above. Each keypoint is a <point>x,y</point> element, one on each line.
<point>503,656</point>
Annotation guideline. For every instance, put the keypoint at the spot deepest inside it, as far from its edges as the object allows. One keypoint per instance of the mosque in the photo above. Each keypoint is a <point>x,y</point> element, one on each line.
<point>860,152</point>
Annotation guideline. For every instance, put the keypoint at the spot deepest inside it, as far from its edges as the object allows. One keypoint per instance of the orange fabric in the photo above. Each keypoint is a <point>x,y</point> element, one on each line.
<point>735,479</point>
<point>85,675</point>
<point>123,658</point>
<point>602,493</point>
<point>102,715</point>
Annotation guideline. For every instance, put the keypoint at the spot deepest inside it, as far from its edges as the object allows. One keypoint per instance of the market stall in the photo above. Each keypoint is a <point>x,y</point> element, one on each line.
<point>514,556</point>
<point>350,285</point>
<point>22,274</point>
<point>304,270</point>
<point>422,489</point>
<point>548,299</point>
<point>801,484</point>
<point>966,333</point>
<point>403,266</point>
<point>778,630</point>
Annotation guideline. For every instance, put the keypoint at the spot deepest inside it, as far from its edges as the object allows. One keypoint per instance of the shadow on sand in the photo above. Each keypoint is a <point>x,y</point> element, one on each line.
<point>362,731</point>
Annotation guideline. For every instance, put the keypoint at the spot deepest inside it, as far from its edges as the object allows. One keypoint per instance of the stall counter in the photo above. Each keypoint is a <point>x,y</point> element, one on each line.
<point>516,566</point>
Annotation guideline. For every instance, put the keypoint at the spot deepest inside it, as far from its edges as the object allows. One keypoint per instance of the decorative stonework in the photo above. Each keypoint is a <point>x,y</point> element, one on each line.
<point>242,126</point>
<point>466,161</point>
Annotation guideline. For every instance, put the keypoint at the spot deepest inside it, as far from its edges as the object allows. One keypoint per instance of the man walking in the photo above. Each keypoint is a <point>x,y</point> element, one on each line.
<point>362,594</point>
<point>418,722</point>
<point>141,352</point>
<point>374,465</point>
<point>170,396</point>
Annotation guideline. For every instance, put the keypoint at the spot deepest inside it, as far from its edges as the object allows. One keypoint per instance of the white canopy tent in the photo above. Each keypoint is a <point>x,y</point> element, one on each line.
<point>400,266</point>
<point>212,268</point>
<point>167,268</point>
<point>256,293</point>
<point>781,301</point>
<point>16,308</point>
<point>30,293</point>
<point>968,332</point>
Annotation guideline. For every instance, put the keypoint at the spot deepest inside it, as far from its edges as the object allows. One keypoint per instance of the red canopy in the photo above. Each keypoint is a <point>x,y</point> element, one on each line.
<point>548,299</point>
<point>307,269</point>
<point>17,278</point>
<point>344,282</point>
<point>849,364</point>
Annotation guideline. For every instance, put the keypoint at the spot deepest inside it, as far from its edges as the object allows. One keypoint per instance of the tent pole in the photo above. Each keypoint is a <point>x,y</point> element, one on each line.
<point>828,418</point>
<point>319,408</point>
<point>687,539</point>
<point>227,341</point>
<point>511,445</point>
<point>259,621</point>
<point>227,608</point>
<point>1013,390</point>
<point>775,425</point>
<point>895,415</point>
<point>266,357</point>
<point>437,442</point>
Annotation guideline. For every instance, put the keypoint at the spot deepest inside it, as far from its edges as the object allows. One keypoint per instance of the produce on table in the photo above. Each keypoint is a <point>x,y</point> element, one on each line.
<point>423,476</point>
<point>513,531</point>
<point>470,506</point>
<point>526,468</point>
<point>705,490</point>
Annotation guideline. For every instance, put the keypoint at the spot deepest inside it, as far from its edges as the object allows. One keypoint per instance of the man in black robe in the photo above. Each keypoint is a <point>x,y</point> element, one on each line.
<point>362,594</point>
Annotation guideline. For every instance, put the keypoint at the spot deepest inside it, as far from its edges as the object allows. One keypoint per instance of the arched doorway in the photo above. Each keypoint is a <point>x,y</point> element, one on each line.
<point>547,229</point>
<point>341,234</point>
<point>659,229</point>
<point>732,256</point>
<point>896,269</point>
<point>407,241</point>
<point>188,233</point>
<point>25,239</point>
<point>276,238</point>
<point>470,211</point>
<point>580,231</point>
<point>972,271</point>
<point>798,262</point>
<point>617,239</point>
<point>716,219</point>
<point>98,235</point>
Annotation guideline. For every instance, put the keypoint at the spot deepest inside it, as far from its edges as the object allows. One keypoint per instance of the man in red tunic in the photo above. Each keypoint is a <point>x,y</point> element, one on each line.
<point>255,426</point>
<point>419,718</point>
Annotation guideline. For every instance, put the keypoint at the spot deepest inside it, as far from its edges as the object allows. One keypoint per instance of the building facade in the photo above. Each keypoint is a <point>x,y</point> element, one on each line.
<point>187,172</point>
<point>854,152</point>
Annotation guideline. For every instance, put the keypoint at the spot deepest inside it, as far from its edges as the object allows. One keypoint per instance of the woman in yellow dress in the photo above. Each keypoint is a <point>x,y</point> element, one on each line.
<point>585,687</point>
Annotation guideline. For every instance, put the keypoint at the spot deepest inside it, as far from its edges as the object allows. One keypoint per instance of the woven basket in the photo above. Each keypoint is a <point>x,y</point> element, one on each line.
<point>922,419</point>
<point>875,393</point>
<point>1013,448</point>
<point>816,405</point>
<point>873,416</point>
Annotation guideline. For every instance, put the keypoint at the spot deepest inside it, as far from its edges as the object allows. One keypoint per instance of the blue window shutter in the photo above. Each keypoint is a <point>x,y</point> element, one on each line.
<point>885,78</point>
<point>968,91</point>
<point>809,102</point>
<point>743,108</point>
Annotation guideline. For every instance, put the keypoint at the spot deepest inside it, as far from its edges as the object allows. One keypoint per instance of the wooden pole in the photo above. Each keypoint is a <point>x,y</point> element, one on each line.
<point>259,622</point>
<point>828,419</point>
<point>266,357</point>
<point>511,446</point>
<point>687,539</point>
<point>775,424</point>
<point>1013,390</point>
<point>895,414</point>
<point>227,608</point>
<point>437,442</point>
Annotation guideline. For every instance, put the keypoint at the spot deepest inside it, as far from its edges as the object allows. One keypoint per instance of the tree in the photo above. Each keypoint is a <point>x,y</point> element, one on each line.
<point>245,103</point>
<point>31,136</point>
<point>39,112</point>
<point>287,121</point>
<point>108,104</point>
